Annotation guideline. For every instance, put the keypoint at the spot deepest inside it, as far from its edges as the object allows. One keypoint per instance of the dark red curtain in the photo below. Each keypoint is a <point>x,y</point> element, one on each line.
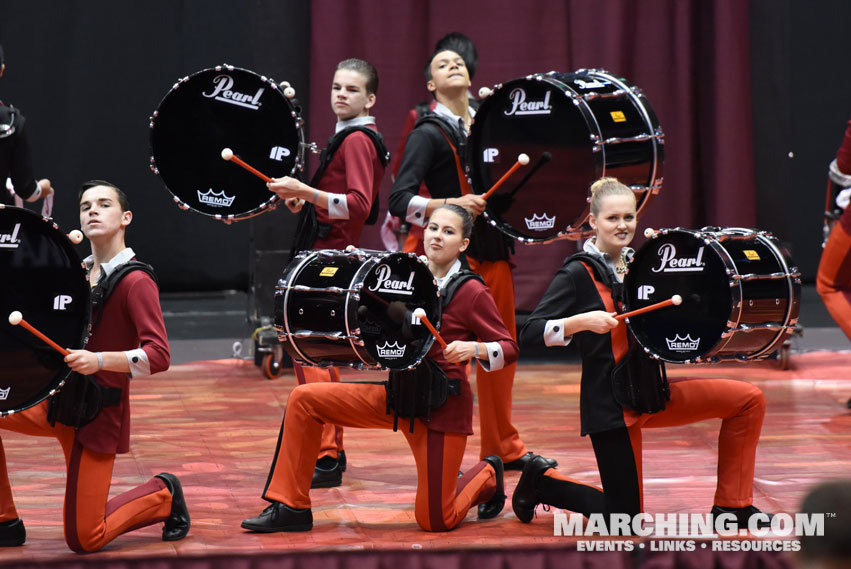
<point>689,57</point>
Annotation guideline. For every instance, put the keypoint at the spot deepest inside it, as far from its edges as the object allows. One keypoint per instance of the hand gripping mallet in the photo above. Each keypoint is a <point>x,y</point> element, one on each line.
<point>227,154</point>
<point>421,315</point>
<point>675,300</point>
<point>16,318</point>
<point>522,160</point>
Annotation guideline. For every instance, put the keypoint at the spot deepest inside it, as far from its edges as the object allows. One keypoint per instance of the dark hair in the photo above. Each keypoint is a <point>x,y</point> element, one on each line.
<point>122,197</point>
<point>463,213</point>
<point>463,46</point>
<point>825,498</point>
<point>366,69</point>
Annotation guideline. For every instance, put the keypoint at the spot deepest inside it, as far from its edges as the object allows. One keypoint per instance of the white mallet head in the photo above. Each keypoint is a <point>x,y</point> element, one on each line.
<point>484,92</point>
<point>419,313</point>
<point>284,84</point>
<point>648,233</point>
<point>677,300</point>
<point>15,318</point>
<point>227,153</point>
<point>523,159</point>
<point>350,248</point>
<point>76,236</point>
<point>289,92</point>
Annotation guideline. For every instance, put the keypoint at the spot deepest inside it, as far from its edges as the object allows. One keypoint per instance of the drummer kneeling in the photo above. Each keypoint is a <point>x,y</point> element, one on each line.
<point>472,327</point>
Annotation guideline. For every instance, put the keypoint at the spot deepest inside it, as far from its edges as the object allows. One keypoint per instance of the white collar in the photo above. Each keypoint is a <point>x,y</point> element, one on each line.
<point>590,246</point>
<point>357,121</point>
<point>443,110</point>
<point>119,259</point>
<point>456,266</point>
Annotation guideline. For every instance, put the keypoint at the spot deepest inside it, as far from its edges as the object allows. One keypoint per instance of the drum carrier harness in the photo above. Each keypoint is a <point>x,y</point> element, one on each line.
<point>309,229</point>
<point>414,393</point>
<point>639,382</point>
<point>80,400</point>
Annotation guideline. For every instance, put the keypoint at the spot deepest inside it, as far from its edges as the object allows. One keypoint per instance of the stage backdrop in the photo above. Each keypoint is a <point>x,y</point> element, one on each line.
<point>89,90</point>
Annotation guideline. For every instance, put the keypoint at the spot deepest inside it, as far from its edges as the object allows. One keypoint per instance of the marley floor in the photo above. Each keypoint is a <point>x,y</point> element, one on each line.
<point>214,422</point>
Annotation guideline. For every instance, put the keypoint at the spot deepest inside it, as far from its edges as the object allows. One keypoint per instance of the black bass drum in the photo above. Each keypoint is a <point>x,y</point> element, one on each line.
<point>218,108</point>
<point>44,279</point>
<point>355,308</point>
<point>575,128</point>
<point>741,294</point>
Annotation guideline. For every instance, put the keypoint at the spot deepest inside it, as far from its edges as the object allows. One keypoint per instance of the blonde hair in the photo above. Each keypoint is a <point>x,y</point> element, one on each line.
<point>605,187</point>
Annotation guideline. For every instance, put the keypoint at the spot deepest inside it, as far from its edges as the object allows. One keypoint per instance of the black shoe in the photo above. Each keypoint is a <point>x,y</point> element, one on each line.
<point>177,525</point>
<point>341,458</point>
<point>742,516</point>
<point>12,533</point>
<point>524,500</point>
<point>521,462</point>
<point>327,474</point>
<point>493,507</point>
<point>280,517</point>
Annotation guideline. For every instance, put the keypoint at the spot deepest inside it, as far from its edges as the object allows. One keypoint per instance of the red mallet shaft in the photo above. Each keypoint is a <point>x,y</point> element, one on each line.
<point>16,318</point>
<point>228,154</point>
<point>675,300</point>
<point>522,160</point>
<point>420,313</point>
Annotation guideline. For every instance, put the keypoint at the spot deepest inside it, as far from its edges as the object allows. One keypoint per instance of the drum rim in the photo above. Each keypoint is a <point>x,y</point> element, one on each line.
<point>67,246</point>
<point>298,122</point>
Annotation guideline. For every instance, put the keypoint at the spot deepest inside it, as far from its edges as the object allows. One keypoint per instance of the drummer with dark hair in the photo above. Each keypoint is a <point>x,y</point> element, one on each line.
<point>15,159</point>
<point>434,154</point>
<point>342,197</point>
<point>438,431</point>
<point>90,416</point>
<point>622,390</point>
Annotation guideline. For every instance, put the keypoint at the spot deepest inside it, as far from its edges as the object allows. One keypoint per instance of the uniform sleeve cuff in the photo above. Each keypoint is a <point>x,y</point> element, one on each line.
<point>338,206</point>
<point>554,333</point>
<point>139,364</point>
<point>417,211</point>
<point>496,359</point>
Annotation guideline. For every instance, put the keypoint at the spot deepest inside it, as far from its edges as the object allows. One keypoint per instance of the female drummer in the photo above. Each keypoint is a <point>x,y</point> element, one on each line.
<point>472,327</point>
<point>579,306</point>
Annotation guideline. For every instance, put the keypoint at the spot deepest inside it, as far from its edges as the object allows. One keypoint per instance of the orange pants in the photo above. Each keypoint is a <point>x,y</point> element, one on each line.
<point>739,405</point>
<point>332,435</point>
<point>833,280</point>
<point>91,520</point>
<point>499,435</point>
<point>442,499</point>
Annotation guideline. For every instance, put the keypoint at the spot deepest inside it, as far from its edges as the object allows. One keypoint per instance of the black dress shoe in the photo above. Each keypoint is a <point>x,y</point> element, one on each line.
<point>327,474</point>
<point>521,462</point>
<point>524,500</point>
<point>12,533</point>
<point>742,516</point>
<point>280,517</point>
<point>341,458</point>
<point>493,507</point>
<point>177,525</point>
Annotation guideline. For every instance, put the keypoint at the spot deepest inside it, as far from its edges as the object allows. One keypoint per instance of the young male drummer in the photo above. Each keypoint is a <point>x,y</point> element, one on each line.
<point>434,154</point>
<point>128,341</point>
<point>344,194</point>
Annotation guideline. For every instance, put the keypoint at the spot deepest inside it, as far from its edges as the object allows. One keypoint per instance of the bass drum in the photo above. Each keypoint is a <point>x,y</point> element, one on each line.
<point>225,107</point>
<point>741,294</point>
<point>355,308</point>
<point>44,279</point>
<point>575,128</point>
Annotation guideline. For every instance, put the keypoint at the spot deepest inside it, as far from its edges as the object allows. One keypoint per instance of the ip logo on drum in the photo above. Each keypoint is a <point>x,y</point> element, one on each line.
<point>279,153</point>
<point>490,155</point>
<point>644,292</point>
<point>61,301</point>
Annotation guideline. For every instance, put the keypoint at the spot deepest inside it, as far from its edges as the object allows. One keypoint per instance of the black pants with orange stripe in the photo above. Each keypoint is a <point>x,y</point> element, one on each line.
<point>91,519</point>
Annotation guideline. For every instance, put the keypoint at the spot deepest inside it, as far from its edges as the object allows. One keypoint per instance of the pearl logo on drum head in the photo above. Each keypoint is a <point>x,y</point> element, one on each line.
<point>686,344</point>
<point>223,91</point>
<point>215,199</point>
<point>540,222</point>
<point>520,107</point>
<point>670,263</point>
<point>10,240</point>
<point>390,351</point>
<point>386,284</point>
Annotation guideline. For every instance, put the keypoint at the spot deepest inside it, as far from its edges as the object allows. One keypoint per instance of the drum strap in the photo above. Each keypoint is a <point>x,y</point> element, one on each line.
<point>105,287</point>
<point>451,286</point>
<point>442,125</point>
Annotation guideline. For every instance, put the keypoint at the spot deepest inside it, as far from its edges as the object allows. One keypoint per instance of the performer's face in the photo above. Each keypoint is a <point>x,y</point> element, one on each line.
<point>100,213</point>
<point>448,73</point>
<point>349,98</point>
<point>615,223</point>
<point>443,237</point>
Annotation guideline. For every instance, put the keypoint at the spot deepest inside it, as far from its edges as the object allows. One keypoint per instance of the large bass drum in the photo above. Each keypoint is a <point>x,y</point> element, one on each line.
<point>356,308</point>
<point>576,128</point>
<point>45,280</point>
<point>741,294</point>
<point>225,107</point>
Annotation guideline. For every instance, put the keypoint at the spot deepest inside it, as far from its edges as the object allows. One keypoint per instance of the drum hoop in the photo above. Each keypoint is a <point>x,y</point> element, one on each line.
<point>365,269</point>
<point>298,164</point>
<point>294,273</point>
